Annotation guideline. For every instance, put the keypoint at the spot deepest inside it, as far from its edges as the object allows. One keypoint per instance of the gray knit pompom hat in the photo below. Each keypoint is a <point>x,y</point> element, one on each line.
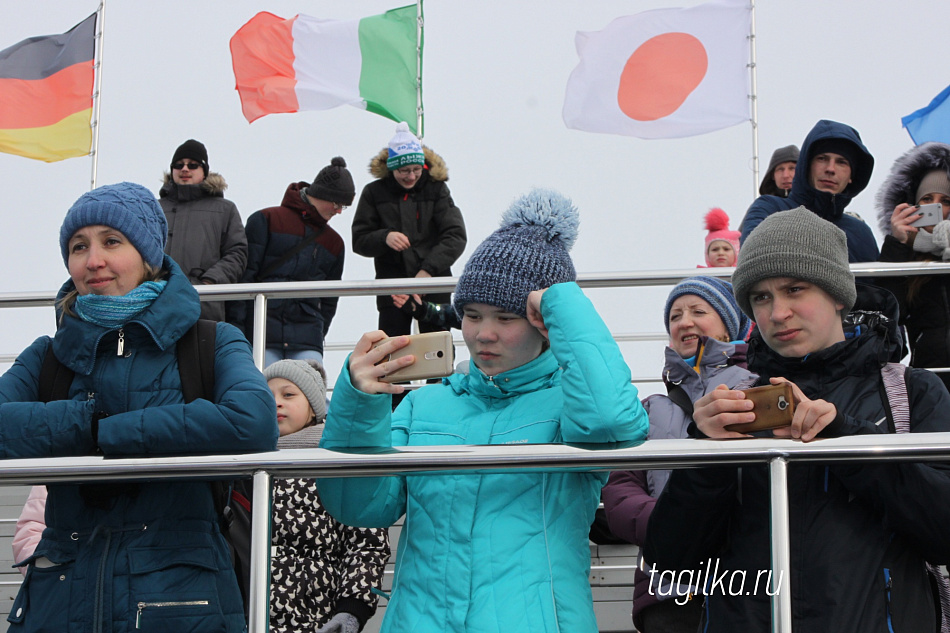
<point>310,378</point>
<point>527,253</point>
<point>797,244</point>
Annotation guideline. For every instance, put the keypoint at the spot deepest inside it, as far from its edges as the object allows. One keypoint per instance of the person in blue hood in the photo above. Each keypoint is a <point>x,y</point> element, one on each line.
<point>834,167</point>
<point>492,551</point>
<point>129,556</point>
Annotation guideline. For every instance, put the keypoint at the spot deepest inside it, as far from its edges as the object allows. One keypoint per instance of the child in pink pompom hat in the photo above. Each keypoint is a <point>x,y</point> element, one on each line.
<point>722,245</point>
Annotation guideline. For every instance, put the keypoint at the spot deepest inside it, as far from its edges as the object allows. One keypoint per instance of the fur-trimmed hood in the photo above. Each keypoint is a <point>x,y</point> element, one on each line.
<point>437,167</point>
<point>213,185</point>
<point>905,176</point>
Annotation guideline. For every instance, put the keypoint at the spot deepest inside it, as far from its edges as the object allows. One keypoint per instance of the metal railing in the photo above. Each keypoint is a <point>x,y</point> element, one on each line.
<point>421,460</point>
<point>259,293</point>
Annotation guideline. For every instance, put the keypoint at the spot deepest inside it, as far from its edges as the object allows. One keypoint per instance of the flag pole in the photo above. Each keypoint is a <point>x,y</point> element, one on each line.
<point>96,93</point>
<point>420,22</point>
<point>755,109</point>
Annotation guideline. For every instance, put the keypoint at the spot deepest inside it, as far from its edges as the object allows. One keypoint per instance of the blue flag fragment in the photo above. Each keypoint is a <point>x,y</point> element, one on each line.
<point>932,122</point>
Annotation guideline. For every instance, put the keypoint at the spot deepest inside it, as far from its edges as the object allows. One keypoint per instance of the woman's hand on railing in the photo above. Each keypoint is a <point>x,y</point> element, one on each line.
<point>721,407</point>
<point>367,366</point>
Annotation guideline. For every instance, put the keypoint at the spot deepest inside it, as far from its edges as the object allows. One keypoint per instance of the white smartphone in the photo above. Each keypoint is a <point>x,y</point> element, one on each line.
<point>930,214</point>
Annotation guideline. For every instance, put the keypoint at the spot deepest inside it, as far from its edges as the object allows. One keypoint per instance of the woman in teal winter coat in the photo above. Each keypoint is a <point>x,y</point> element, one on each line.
<point>489,552</point>
<point>129,556</point>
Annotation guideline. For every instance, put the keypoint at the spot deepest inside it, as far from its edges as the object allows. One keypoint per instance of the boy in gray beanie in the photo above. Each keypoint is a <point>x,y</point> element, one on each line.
<point>799,244</point>
<point>879,522</point>
<point>544,369</point>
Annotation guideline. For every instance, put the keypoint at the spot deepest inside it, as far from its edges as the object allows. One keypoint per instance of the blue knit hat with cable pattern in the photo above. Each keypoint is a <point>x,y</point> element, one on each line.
<point>130,208</point>
<point>527,253</point>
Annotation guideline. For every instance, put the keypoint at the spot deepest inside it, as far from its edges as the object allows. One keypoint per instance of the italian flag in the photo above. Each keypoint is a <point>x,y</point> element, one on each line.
<point>307,63</point>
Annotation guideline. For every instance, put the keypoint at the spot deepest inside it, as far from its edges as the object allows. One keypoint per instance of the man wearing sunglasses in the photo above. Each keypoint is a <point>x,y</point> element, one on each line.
<point>205,233</point>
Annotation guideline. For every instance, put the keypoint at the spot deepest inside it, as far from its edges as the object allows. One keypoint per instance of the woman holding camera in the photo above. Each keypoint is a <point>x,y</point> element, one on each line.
<point>492,551</point>
<point>707,349</point>
<point>919,177</point>
<point>126,556</point>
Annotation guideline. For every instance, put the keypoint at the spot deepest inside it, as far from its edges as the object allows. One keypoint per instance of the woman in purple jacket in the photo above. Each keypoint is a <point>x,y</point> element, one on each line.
<point>707,349</point>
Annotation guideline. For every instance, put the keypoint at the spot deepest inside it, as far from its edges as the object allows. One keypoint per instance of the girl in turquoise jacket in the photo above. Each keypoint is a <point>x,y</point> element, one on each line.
<point>496,551</point>
<point>129,556</point>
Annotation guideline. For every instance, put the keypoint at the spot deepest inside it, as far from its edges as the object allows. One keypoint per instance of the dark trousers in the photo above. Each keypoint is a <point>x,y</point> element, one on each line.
<point>668,617</point>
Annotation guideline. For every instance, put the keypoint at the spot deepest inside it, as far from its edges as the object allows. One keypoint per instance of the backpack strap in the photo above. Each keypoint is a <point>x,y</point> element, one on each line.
<point>55,378</point>
<point>896,401</point>
<point>897,406</point>
<point>195,351</point>
<point>680,398</point>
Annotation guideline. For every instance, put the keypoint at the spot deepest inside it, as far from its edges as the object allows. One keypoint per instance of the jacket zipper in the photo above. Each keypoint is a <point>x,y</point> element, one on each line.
<point>184,603</point>
<point>121,348</point>
<point>887,597</point>
<point>100,585</point>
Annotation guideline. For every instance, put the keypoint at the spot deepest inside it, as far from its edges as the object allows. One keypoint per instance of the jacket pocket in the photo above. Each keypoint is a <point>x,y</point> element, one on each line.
<point>175,588</point>
<point>423,432</point>
<point>537,432</point>
<point>49,587</point>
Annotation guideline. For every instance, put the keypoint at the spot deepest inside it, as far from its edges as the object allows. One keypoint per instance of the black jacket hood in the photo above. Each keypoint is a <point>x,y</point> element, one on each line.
<point>826,205</point>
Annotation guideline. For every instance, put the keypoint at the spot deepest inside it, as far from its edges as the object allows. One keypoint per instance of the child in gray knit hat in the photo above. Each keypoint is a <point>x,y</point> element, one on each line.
<point>879,522</point>
<point>544,369</point>
<point>324,575</point>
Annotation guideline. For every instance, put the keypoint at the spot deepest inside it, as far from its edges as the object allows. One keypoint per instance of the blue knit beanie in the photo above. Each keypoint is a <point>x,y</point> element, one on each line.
<point>529,252</point>
<point>718,294</point>
<point>126,207</point>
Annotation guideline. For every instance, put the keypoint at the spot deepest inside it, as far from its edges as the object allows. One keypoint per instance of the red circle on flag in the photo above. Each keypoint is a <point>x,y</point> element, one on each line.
<point>660,74</point>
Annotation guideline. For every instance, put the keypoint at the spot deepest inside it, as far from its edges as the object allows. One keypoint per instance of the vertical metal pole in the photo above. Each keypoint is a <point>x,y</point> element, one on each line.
<point>781,578</point>
<point>97,93</point>
<point>755,109</point>
<point>259,608</point>
<point>259,336</point>
<point>420,22</point>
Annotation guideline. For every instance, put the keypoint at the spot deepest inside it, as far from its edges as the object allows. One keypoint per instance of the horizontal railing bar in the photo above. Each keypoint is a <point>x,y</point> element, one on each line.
<point>418,459</point>
<point>296,289</point>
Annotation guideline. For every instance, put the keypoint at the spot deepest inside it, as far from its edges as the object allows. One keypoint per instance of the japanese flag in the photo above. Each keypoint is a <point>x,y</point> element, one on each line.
<point>665,73</point>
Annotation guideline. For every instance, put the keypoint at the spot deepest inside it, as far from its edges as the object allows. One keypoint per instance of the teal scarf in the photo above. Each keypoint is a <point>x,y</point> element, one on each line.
<point>111,311</point>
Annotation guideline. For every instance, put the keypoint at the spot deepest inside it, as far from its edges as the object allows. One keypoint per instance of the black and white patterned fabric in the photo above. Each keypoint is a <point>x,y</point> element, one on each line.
<point>318,565</point>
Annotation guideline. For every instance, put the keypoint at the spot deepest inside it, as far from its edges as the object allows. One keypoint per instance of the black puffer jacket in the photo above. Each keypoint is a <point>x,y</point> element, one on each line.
<point>426,214</point>
<point>859,534</point>
<point>924,300</point>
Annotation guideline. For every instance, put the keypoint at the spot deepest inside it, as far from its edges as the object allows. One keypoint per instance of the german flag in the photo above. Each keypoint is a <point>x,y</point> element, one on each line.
<point>46,86</point>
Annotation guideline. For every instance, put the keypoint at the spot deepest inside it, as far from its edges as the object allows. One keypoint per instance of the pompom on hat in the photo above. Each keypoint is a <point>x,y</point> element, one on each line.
<point>717,223</point>
<point>404,149</point>
<point>127,207</point>
<point>334,183</point>
<point>527,253</point>
<point>310,378</point>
